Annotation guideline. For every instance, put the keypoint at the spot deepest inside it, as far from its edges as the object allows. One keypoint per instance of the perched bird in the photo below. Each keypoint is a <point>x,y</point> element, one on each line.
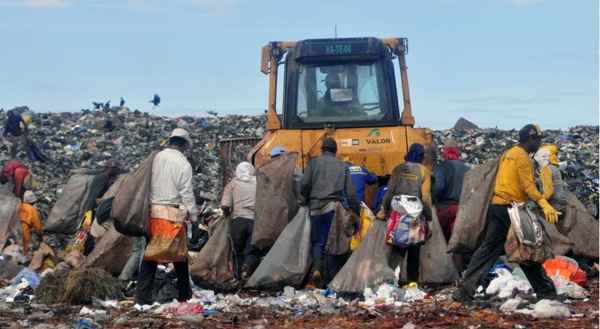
<point>107,105</point>
<point>155,100</point>
<point>122,103</point>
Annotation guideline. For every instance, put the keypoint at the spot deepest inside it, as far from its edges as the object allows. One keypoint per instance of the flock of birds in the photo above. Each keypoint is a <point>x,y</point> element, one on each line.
<point>106,106</point>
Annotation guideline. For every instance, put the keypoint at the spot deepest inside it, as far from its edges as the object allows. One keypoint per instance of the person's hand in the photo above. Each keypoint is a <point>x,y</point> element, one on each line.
<point>226,211</point>
<point>550,213</point>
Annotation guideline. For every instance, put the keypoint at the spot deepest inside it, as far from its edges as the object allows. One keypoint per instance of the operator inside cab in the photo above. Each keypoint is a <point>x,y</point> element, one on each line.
<point>337,100</point>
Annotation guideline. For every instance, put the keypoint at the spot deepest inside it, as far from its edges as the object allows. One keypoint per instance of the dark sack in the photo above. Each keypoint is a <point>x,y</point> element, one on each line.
<point>343,226</point>
<point>580,227</point>
<point>212,267</point>
<point>477,191</point>
<point>67,212</point>
<point>9,222</point>
<point>368,266</point>
<point>288,261</point>
<point>131,206</point>
<point>275,199</point>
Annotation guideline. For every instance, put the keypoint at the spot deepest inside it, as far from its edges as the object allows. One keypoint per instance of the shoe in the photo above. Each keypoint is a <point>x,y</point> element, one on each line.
<point>315,280</point>
<point>461,296</point>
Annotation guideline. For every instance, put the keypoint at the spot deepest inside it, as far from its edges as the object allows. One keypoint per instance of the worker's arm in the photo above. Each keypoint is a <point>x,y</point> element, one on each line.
<point>526,180</point>
<point>387,198</point>
<point>547,183</point>
<point>306,184</point>
<point>426,192</point>
<point>36,221</point>
<point>371,178</point>
<point>227,199</point>
<point>439,183</point>
<point>351,193</point>
<point>186,191</point>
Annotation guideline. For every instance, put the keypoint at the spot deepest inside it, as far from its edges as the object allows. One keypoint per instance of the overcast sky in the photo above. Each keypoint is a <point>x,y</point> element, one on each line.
<point>496,62</point>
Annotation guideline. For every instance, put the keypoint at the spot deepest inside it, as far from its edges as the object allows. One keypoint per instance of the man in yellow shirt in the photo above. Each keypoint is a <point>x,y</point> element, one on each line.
<point>514,183</point>
<point>30,219</point>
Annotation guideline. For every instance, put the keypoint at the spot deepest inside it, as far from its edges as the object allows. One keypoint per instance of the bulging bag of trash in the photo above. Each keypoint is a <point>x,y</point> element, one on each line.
<point>212,267</point>
<point>111,252</point>
<point>289,259</point>
<point>66,214</point>
<point>275,199</point>
<point>368,266</point>
<point>131,205</point>
<point>478,187</point>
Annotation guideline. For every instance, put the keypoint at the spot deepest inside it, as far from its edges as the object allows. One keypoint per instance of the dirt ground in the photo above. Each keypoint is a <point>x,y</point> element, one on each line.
<point>428,313</point>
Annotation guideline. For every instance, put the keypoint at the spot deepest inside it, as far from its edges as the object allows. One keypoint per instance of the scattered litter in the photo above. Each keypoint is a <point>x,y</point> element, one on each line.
<point>550,309</point>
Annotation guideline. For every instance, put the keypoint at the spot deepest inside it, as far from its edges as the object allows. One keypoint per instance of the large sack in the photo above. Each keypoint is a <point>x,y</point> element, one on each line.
<point>368,266</point>
<point>9,222</point>
<point>131,206</point>
<point>275,199</point>
<point>67,212</point>
<point>435,265</point>
<point>582,228</point>
<point>111,252</point>
<point>212,267</point>
<point>288,261</point>
<point>477,191</point>
<point>341,232</point>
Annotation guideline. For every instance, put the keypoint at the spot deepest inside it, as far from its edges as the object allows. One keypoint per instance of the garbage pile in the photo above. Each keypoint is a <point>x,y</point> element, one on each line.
<point>87,139</point>
<point>578,154</point>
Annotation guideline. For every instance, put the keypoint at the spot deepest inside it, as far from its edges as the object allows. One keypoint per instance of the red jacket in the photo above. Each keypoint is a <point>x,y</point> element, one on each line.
<point>15,171</point>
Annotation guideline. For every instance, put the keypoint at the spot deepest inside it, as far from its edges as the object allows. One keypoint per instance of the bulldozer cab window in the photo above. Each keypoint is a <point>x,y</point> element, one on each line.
<point>340,92</point>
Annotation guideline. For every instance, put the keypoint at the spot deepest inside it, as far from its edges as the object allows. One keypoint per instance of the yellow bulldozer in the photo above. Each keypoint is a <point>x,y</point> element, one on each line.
<point>343,88</point>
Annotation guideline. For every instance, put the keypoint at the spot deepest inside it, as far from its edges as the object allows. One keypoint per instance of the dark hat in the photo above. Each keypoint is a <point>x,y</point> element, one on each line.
<point>530,130</point>
<point>329,144</point>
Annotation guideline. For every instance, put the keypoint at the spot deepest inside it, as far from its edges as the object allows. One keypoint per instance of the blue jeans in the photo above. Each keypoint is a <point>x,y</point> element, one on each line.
<point>319,231</point>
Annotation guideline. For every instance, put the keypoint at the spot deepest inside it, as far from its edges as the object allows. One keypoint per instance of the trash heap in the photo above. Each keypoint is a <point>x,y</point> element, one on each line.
<point>89,138</point>
<point>578,154</point>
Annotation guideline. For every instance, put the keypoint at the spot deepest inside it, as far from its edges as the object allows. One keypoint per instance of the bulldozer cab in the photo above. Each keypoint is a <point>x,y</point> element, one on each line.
<point>339,83</point>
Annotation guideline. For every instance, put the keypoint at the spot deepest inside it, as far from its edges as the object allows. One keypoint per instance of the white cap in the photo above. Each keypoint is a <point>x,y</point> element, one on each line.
<point>29,197</point>
<point>182,133</point>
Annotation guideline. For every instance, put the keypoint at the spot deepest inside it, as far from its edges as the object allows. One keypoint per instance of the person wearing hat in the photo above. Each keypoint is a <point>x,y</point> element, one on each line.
<point>447,185</point>
<point>15,172</point>
<point>172,205</point>
<point>277,151</point>
<point>409,178</point>
<point>514,183</point>
<point>550,180</point>
<point>30,219</point>
<point>325,183</point>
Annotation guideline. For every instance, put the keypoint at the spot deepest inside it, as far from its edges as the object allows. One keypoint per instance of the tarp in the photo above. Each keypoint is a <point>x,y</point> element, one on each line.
<point>212,267</point>
<point>288,261</point>
<point>67,212</point>
<point>275,199</point>
<point>8,215</point>
<point>111,252</point>
<point>478,187</point>
<point>368,266</point>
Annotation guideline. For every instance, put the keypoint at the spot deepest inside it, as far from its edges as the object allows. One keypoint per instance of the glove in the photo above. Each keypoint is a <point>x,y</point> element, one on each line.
<point>87,219</point>
<point>550,213</point>
<point>226,211</point>
<point>380,214</point>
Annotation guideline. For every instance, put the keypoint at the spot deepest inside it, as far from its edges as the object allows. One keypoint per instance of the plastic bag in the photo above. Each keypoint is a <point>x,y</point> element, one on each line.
<point>366,218</point>
<point>526,241</point>
<point>289,259</point>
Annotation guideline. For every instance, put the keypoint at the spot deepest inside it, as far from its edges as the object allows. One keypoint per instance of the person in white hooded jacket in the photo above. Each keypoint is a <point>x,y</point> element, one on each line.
<point>239,198</point>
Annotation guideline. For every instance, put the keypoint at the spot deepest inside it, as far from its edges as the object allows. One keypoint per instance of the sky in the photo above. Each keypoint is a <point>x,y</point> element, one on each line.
<point>498,63</point>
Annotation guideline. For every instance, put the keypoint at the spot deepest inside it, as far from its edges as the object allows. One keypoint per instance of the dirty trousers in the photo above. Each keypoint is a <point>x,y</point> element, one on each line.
<point>492,247</point>
<point>241,234</point>
<point>319,232</point>
<point>412,254</point>
<point>447,216</point>
<point>143,293</point>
